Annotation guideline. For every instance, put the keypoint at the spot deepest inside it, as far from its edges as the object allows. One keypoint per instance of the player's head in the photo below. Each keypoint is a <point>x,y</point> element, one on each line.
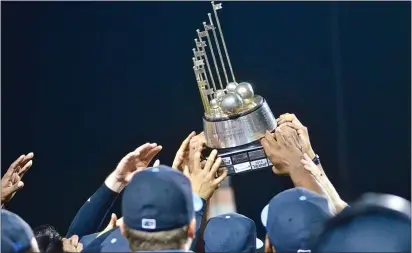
<point>16,234</point>
<point>158,209</point>
<point>290,217</point>
<point>231,232</point>
<point>375,223</point>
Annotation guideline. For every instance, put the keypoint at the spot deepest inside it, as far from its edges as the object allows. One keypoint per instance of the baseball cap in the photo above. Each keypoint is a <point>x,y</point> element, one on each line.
<point>374,233</point>
<point>97,244</point>
<point>377,223</point>
<point>16,234</point>
<point>231,232</point>
<point>291,216</point>
<point>87,239</point>
<point>159,199</point>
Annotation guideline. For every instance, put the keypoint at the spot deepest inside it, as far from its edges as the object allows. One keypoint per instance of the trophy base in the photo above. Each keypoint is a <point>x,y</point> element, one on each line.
<point>242,159</point>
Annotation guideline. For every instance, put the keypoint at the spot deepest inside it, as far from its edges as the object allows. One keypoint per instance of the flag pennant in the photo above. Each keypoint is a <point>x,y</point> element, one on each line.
<point>217,6</point>
<point>201,43</point>
<point>209,27</point>
<point>202,34</point>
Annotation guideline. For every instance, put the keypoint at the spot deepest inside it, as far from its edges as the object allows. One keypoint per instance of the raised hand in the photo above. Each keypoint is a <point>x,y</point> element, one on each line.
<point>204,181</point>
<point>132,163</point>
<point>283,150</point>
<point>136,161</point>
<point>182,156</point>
<point>292,121</point>
<point>197,144</point>
<point>11,181</point>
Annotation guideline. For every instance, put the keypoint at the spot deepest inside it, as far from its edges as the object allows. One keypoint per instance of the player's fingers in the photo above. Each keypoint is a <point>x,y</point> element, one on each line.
<point>14,165</point>
<point>210,161</point>
<point>222,177</point>
<point>215,167</point>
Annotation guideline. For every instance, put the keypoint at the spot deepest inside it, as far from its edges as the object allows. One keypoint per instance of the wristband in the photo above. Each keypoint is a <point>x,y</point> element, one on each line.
<point>316,160</point>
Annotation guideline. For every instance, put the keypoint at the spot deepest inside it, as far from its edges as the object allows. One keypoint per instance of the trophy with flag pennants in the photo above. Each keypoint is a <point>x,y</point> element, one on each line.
<point>235,118</point>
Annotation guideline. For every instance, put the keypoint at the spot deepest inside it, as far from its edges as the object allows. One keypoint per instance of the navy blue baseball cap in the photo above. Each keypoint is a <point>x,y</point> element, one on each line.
<point>291,216</point>
<point>87,239</point>
<point>371,233</point>
<point>231,232</point>
<point>16,234</point>
<point>159,199</point>
<point>376,223</point>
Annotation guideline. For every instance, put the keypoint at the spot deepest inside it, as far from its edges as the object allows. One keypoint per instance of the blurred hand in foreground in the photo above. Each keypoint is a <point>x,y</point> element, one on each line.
<point>72,244</point>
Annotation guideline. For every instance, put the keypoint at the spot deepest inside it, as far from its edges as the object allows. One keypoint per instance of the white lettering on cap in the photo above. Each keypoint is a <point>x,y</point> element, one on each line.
<point>148,223</point>
<point>304,251</point>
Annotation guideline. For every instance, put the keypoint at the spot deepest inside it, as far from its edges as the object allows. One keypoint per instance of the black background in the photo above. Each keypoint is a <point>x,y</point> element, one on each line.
<point>85,83</point>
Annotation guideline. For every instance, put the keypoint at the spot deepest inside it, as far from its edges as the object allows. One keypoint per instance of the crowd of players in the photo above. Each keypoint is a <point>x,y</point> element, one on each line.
<point>165,208</point>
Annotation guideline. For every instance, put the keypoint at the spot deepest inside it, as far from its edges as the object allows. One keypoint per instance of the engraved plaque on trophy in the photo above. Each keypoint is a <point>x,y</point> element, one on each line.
<point>235,118</point>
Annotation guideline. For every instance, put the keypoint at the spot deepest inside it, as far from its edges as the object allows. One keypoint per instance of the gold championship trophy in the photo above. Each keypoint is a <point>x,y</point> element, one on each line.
<point>235,118</point>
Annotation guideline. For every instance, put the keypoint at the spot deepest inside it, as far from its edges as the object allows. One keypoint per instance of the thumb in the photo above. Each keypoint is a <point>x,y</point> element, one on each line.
<point>111,225</point>
<point>130,176</point>
<point>156,163</point>
<point>276,171</point>
<point>119,222</point>
<point>113,220</point>
<point>177,162</point>
<point>17,186</point>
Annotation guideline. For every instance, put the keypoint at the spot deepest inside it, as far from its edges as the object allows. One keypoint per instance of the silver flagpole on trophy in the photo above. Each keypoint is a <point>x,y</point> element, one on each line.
<point>218,47</point>
<point>215,8</point>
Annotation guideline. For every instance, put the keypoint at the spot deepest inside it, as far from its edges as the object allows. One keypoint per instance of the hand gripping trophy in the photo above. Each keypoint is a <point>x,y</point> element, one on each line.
<point>235,117</point>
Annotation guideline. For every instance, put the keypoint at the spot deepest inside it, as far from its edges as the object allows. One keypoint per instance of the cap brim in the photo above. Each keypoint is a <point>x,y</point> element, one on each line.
<point>264,215</point>
<point>259,243</point>
<point>197,202</point>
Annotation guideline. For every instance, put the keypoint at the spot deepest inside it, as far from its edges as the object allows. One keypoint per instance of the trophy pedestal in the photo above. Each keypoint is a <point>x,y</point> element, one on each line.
<point>242,159</point>
<point>237,139</point>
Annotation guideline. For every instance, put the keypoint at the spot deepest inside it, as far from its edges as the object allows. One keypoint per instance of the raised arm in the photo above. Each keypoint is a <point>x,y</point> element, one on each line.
<point>324,181</point>
<point>90,216</point>
<point>202,176</point>
<point>290,120</point>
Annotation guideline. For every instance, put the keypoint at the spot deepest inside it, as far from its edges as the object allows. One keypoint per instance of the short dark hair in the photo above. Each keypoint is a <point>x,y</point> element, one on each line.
<point>163,240</point>
<point>48,239</point>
